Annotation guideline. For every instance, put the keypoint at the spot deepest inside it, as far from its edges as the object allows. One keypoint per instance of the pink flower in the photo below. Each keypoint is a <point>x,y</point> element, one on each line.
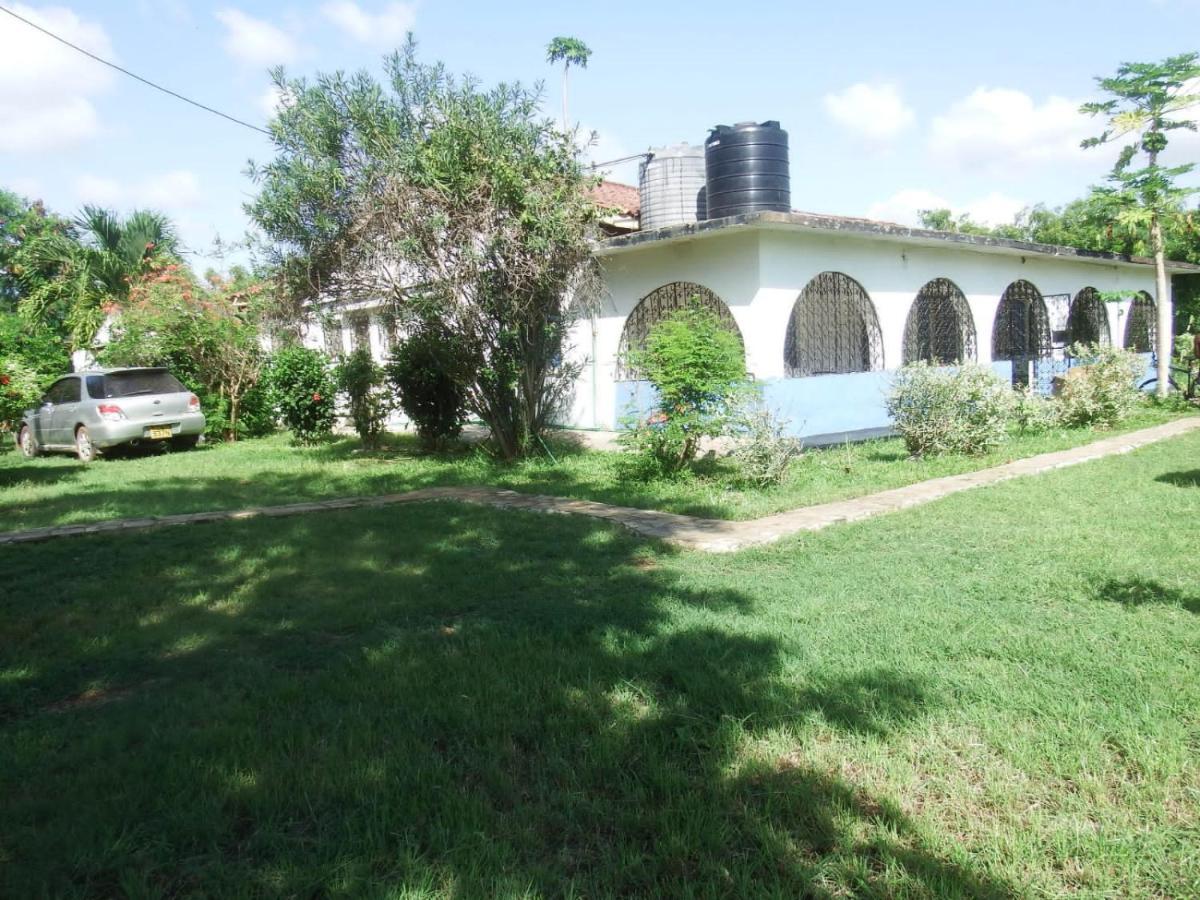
<point>316,398</point>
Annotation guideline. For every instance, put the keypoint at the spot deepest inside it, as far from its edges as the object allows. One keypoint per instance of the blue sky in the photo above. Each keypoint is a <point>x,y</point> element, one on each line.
<point>890,106</point>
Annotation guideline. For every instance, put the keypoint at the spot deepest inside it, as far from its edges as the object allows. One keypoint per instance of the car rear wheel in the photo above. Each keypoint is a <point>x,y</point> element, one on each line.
<point>29,447</point>
<point>84,448</point>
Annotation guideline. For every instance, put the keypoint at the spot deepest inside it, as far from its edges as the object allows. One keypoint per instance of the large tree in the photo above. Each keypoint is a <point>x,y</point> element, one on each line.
<point>1147,101</point>
<point>456,204</point>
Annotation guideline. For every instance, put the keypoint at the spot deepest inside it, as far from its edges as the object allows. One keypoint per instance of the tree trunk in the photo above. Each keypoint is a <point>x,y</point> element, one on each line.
<point>1166,315</point>
<point>564,96</point>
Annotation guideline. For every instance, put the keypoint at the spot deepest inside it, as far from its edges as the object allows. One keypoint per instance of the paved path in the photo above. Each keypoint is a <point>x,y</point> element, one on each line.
<point>692,532</point>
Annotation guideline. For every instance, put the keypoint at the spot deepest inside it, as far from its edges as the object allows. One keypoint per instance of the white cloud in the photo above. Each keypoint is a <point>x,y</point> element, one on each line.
<point>1001,128</point>
<point>876,112</point>
<point>270,100</point>
<point>386,27</point>
<point>171,191</point>
<point>256,41</point>
<point>46,89</point>
<point>601,146</point>
<point>904,206</point>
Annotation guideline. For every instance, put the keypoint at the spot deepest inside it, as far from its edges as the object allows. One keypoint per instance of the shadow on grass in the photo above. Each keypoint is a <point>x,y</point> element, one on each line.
<point>1136,592</point>
<point>437,699</point>
<point>1187,479</point>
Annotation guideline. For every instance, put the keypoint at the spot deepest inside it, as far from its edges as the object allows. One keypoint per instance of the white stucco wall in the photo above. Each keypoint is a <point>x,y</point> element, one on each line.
<point>760,273</point>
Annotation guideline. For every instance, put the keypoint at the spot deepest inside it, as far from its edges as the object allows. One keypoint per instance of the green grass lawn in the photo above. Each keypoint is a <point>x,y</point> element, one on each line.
<point>994,695</point>
<point>57,490</point>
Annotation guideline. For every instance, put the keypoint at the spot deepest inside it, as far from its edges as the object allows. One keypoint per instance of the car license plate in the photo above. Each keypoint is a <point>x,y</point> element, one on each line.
<point>158,434</point>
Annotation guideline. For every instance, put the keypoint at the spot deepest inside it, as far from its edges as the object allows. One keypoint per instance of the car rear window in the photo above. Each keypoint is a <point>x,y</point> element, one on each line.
<point>133,384</point>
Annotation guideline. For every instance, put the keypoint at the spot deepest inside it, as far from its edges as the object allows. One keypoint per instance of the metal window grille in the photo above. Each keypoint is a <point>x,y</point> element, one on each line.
<point>332,331</point>
<point>1087,322</point>
<point>1021,330</point>
<point>833,329</point>
<point>658,305</point>
<point>1140,327</point>
<point>939,327</point>
<point>360,332</point>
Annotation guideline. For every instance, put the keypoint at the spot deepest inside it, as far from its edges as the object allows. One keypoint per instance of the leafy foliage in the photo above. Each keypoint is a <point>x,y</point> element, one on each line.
<point>698,370</point>
<point>20,388</point>
<point>1104,390</point>
<point>940,410</point>
<point>426,369</point>
<point>370,399</point>
<point>302,390</point>
<point>459,204</point>
<point>764,450</point>
<point>207,337</point>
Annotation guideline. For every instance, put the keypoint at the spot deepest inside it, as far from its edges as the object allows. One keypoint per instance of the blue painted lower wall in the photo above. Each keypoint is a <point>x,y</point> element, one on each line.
<point>821,406</point>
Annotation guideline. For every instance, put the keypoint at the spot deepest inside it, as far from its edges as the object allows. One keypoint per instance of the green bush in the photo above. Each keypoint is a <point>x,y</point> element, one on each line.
<point>20,389</point>
<point>961,410</point>
<point>697,368</point>
<point>1031,412</point>
<point>370,400</point>
<point>426,370</point>
<point>764,451</point>
<point>1103,389</point>
<point>302,391</point>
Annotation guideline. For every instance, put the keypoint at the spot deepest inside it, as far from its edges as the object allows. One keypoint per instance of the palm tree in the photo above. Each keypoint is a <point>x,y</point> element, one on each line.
<point>569,51</point>
<point>76,274</point>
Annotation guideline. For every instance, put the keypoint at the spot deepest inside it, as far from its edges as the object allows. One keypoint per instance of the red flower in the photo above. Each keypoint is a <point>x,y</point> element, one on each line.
<point>316,398</point>
<point>4,379</point>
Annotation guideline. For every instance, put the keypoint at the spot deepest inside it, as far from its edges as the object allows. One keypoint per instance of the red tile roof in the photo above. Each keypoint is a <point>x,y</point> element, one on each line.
<point>613,195</point>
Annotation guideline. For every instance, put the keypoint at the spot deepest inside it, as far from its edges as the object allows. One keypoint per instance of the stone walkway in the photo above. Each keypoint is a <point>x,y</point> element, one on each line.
<point>691,532</point>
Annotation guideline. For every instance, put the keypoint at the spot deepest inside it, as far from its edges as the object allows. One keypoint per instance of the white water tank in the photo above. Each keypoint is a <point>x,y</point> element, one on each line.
<point>671,184</point>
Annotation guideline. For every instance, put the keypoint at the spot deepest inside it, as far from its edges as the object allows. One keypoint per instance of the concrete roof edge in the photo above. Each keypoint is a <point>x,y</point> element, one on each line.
<point>814,222</point>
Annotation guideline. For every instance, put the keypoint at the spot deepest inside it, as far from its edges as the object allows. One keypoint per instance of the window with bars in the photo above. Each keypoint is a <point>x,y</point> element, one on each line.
<point>1021,329</point>
<point>658,305</point>
<point>331,330</point>
<point>360,332</point>
<point>833,329</point>
<point>940,329</point>
<point>1140,326</point>
<point>1087,320</point>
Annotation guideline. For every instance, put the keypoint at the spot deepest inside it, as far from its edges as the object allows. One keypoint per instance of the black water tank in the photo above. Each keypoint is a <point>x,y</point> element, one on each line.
<point>746,169</point>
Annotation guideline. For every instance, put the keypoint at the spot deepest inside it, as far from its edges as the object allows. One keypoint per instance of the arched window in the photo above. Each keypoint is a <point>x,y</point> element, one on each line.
<point>939,327</point>
<point>1140,326</point>
<point>833,329</point>
<point>658,305</point>
<point>1087,320</point>
<point>1021,329</point>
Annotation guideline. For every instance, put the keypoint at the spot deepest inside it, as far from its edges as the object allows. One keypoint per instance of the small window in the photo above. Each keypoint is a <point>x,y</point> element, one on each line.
<point>137,383</point>
<point>95,386</point>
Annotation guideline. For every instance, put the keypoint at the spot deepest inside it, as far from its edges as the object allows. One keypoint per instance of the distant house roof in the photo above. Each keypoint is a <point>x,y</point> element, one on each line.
<point>868,228</point>
<point>624,198</point>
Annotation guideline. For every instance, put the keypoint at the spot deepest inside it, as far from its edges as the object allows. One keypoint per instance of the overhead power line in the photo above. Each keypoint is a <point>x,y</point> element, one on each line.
<point>134,75</point>
<point>610,162</point>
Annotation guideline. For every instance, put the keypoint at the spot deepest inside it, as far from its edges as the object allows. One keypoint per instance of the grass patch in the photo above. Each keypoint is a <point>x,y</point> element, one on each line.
<point>57,490</point>
<point>994,695</point>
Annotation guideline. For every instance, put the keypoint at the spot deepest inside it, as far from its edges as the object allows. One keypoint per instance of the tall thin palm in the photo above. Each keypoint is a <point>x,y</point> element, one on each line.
<point>570,51</point>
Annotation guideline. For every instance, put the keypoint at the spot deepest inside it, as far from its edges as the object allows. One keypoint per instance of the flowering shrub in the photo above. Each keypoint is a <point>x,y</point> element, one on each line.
<point>697,368</point>
<point>1032,412</point>
<point>1103,390</point>
<point>962,410</point>
<point>20,389</point>
<point>301,388</point>
<point>371,401</point>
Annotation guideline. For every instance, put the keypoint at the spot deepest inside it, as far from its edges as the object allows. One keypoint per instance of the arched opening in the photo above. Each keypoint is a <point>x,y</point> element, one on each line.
<point>939,329</point>
<point>1087,320</point>
<point>833,329</point>
<point>1021,329</point>
<point>1140,325</point>
<point>658,305</point>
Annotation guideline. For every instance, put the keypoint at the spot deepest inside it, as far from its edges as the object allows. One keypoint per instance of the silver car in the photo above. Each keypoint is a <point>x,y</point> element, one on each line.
<point>87,412</point>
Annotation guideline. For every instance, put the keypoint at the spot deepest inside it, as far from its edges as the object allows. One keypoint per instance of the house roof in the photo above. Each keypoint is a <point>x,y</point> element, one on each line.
<point>624,198</point>
<point>869,228</point>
